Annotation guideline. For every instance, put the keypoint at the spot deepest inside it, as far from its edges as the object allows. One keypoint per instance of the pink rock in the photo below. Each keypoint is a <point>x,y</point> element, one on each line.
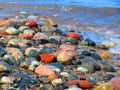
<point>67,47</point>
<point>39,36</point>
<point>44,70</point>
<point>115,82</point>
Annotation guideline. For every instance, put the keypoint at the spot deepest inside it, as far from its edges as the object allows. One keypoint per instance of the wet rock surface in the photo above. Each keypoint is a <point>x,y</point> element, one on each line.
<point>50,57</point>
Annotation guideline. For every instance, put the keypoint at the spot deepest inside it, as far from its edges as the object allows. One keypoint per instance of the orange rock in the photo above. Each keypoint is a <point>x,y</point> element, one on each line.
<point>31,24</point>
<point>74,35</point>
<point>105,55</point>
<point>47,58</point>
<point>84,84</point>
<point>73,82</point>
<point>52,77</point>
<point>3,33</point>
<point>44,70</point>
<point>26,36</point>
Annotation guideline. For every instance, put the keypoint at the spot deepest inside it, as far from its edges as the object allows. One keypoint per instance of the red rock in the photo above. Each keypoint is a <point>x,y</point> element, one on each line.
<point>31,24</point>
<point>84,84</point>
<point>74,35</point>
<point>73,82</point>
<point>115,82</point>
<point>47,58</point>
<point>26,36</point>
<point>3,33</point>
<point>44,70</point>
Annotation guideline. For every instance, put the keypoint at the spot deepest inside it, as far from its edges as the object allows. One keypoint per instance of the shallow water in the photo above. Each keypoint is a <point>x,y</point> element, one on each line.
<point>98,16</point>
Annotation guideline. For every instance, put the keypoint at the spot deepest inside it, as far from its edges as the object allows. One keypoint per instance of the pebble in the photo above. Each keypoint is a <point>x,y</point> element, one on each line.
<point>82,69</point>
<point>5,79</point>
<point>57,81</point>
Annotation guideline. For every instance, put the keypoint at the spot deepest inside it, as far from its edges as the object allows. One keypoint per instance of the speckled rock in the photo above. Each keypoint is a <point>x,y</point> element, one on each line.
<point>55,40</point>
<point>44,70</point>
<point>33,53</point>
<point>64,58</point>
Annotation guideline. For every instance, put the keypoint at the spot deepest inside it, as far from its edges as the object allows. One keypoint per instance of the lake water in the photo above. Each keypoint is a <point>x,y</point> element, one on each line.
<point>101,16</point>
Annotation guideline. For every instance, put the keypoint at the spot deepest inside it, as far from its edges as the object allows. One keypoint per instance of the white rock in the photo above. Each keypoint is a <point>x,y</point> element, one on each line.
<point>57,81</point>
<point>5,79</point>
<point>109,44</point>
<point>12,30</point>
<point>74,88</point>
<point>28,31</point>
<point>82,69</point>
<point>65,74</point>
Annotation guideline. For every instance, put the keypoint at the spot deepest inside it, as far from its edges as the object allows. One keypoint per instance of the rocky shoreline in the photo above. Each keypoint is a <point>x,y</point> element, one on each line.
<point>42,55</point>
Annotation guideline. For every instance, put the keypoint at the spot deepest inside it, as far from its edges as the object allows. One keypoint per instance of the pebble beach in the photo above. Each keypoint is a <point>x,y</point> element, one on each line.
<point>58,47</point>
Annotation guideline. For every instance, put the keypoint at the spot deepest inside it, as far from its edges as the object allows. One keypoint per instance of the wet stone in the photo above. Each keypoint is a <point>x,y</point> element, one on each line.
<point>108,77</point>
<point>2,52</point>
<point>44,80</point>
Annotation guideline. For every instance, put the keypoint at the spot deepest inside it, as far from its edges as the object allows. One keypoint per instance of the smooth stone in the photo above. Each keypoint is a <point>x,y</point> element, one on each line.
<point>61,31</point>
<point>55,40</point>
<point>64,74</point>
<point>104,86</point>
<point>33,53</point>
<point>46,50</point>
<point>89,67</point>
<point>13,41</point>
<point>58,65</point>
<point>28,81</point>
<point>6,79</point>
<point>44,80</point>
<point>109,68</point>
<point>40,36</point>
<point>73,41</point>
<point>4,67</point>
<point>74,88</point>
<point>55,69</point>
<point>28,31</point>
<point>96,57</point>
<point>8,58</point>
<point>108,77</point>
<point>82,70</point>
<point>67,47</point>
<point>91,62</point>
<point>20,75</point>
<point>2,52</point>
<point>64,58</point>
<point>27,50</point>
<point>57,81</point>
<point>12,30</point>
<point>90,42</point>
<point>93,79</point>
<point>70,77</point>
<point>22,28</point>
<point>109,44</point>
<point>86,53</point>
<point>115,82</point>
<point>44,70</point>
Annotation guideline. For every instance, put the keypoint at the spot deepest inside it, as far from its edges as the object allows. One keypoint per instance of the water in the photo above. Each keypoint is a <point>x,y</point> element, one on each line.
<point>101,16</point>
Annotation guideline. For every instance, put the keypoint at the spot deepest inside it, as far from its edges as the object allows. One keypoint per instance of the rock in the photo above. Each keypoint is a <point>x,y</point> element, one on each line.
<point>44,79</point>
<point>70,77</point>
<point>104,86</point>
<point>2,52</point>
<point>33,53</point>
<point>109,68</point>
<point>74,88</point>
<point>8,58</point>
<point>64,58</point>
<point>28,31</point>
<point>13,41</point>
<point>20,75</point>
<point>27,50</point>
<point>58,65</point>
<point>44,70</point>
<point>93,80</point>
<point>40,36</point>
<point>57,81</point>
<point>47,58</point>
<point>67,47</point>
<point>5,79</point>
<point>31,24</point>
<point>109,44</point>
<point>4,67</point>
<point>105,55</point>
<point>90,42</point>
<point>52,77</point>
<point>96,57</point>
<point>3,33</point>
<point>55,69</point>
<point>22,28</point>
<point>74,35</point>
<point>72,41</point>
<point>115,82</point>
<point>72,82</point>
<point>12,30</point>
<point>89,67</point>
<point>46,50</point>
<point>108,77</point>
<point>49,22</point>
<point>25,36</point>
<point>64,74</point>
<point>61,31</point>
<point>91,62</point>
<point>55,40</point>
<point>86,53</point>
<point>84,84</point>
<point>82,70</point>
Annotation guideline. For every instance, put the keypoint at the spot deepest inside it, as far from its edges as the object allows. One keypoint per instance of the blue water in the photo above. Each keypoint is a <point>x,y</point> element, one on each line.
<point>80,3</point>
